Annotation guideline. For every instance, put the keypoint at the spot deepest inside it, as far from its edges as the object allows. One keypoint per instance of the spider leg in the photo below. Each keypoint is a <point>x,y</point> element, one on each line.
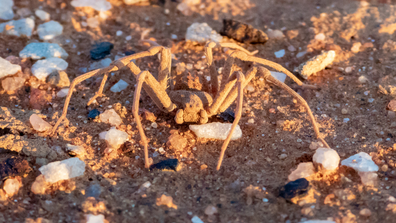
<point>238,114</point>
<point>135,110</point>
<point>212,68</point>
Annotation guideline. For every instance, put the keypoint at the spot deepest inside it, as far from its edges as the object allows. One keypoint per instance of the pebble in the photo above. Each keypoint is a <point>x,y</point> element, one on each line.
<point>39,98</point>
<point>63,170</point>
<point>315,145</point>
<point>38,51</point>
<point>348,70</point>
<point>43,15</point>
<point>24,12</point>
<point>316,64</point>
<point>365,212</point>
<point>127,38</point>
<point>93,22</point>
<point>320,37</point>
<point>62,93</point>
<point>327,158</point>
<point>216,130</point>
<point>294,188</point>
<point>58,79</point>
<point>391,105</point>
<point>93,190</point>
<point>346,120</point>
<point>75,150</point>
<point>101,50</point>
<point>42,68</point>
<point>100,64</point>
<point>362,79</point>
<point>39,186</point>
<point>344,111</point>
<point>6,12</point>
<point>131,2</point>
<point>169,164</point>
<point>39,124</point>
<point>368,178</point>
<point>176,142</point>
<point>114,138</point>
<point>91,218</point>
<point>93,113</point>
<point>99,5</point>
<point>360,162</point>
<point>282,156</point>
<point>7,68</point>
<point>304,170</point>
<point>12,84</point>
<point>301,54</point>
<point>275,34</point>
<point>167,201</point>
<point>280,53</point>
<point>356,47</point>
<point>21,27</point>
<point>279,75</point>
<point>384,168</point>
<point>111,117</point>
<point>392,199</point>
<point>202,32</point>
<point>211,210</point>
<point>12,185</point>
<point>119,86</point>
<point>49,30</point>
<point>196,219</point>
<point>119,33</point>
<point>291,48</point>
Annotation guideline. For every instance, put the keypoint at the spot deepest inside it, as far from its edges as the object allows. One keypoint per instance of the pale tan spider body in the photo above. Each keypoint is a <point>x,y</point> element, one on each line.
<point>193,106</point>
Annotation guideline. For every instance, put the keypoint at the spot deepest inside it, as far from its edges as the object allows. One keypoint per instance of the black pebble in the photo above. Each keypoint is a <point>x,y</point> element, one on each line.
<point>169,164</point>
<point>129,52</point>
<point>101,50</point>
<point>242,32</point>
<point>93,113</point>
<point>14,166</point>
<point>228,115</point>
<point>294,188</point>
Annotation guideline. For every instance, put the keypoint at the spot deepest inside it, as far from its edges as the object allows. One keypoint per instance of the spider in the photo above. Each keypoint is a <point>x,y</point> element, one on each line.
<point>193,106</point>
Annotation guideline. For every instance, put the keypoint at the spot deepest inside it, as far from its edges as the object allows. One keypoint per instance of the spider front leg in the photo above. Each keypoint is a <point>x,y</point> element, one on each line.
<point>135,111</point>
<point>238,114</point>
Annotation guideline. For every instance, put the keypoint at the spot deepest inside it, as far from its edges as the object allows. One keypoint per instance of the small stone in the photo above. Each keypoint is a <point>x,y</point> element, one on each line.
<point>384,168</point>
<point>280,53</point>
<point>202,32</point>
<point>41,161</point>
<point>176,142</point>
<point>119,86</point>
<point>93,113</point>
<point>101,50</point>
<point>39,98</point>
<point>362,79</point>
<point>327,158</point>
<point>12,185</point>
<point>251,121</point>
<point>282,156</point>
<point>100,64</point>
<point>344,111</point>
<point>301,54</point>
<point>242,32</point>
<point>348,70</point>
<point>167,201</point>
<point>360,162</point>
<point>346,120</point>
<point>250,88</point>
<point>291,48</point>
<point>93,22</point>
<point>38,51</point>
<point>110,116</point>
<point>294,188</point>
<point>320,37</point>
<point>21,27</point>
<point>161,150</point>
<point>42,68</point>
<point>368,178</point>
<point>154,125</point>
<point>63,170</point>
<point>91,218</point>
<point>216,130</point>
<point>316,64</point>
<point>196,219</point>
<point>275,34</point>
<point>203,167</point>
<point>169,164</point>
<point>24,12</point>
<point>62,93</point>
<point>114,138</point>
<point>304,170</point>
<point>75,150</point>
<point>356,47</point>
<point>39,186</point>
<point>39,124</point>
<point>315,145</point>
<point>7,68</point>
<point>99,5</point>
<point>365,212</point>
<point>49,30</point>
<point>279,75</point>
<point>6,12</point>
<point>173,36</point>
<point>12,84</point>
<point>392,105</point>
<point>58,79</point>
<point>210,210</point>
<point>93,190</point>
<point>392,199</point>
<point>43,15</point>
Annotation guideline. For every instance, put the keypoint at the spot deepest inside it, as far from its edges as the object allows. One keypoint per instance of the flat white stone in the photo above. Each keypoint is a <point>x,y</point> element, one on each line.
<point>110,116</point>
<point>38,51</point>
<point>21,27</point>
<point>119,86</point>
<point>49,30</point>
<point>196,219</point>
<point>280,53</point>
<point>42,68</point>
<point>114,138</point>
<point>100,64</point>
<point>43,15</point>
<point>62,93</point>
<point>303,170</point>
<point>90,218</point>
<point>39,124</point>
<point>6,12</point>
<point>216,130</point>
<point>100,5</point>
<point>361,162</point>
<point>327,158</point>
<point>202,32</point>
<point>63,170</point>
<point>279,75</point>
<point>7,68</point>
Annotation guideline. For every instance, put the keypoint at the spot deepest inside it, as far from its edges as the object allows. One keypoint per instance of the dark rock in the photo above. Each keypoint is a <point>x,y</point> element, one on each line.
<point>228,115</point>
<point>242,32</point>
<point>129,52</point>
<point>169,164</point>
<point>294,188</point>
<point>14,166</point>
<point>93,190</point>
<point>101,50</point>
<point>93,113</point>
<point>59,79</point>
